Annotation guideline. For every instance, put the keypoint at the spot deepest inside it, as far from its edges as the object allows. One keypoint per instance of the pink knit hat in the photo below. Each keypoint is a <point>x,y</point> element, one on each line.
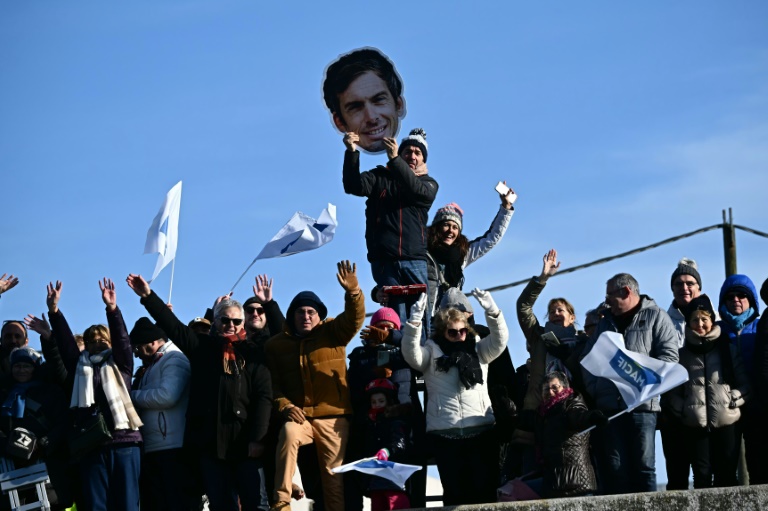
<point>386,314</point>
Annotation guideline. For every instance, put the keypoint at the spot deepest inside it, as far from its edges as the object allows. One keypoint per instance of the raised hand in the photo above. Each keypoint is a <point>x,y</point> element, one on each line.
<point>391,145</point>
<point>38,325</point>
<point>138,284</point>
<point>351,139</point>
<point>507,199</point>
<point>7,283</point>
<point>417,309</point>
<point>53,296</point>
<point>374,336</point>
<point>551,265</point>
<point>263,289</point>
<point>347,277</point>
<point>486,301</point>
<point>108,295</point>
<point>219,299</point>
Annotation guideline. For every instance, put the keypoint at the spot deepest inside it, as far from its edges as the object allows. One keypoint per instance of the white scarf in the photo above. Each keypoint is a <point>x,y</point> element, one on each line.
<point>120,405</point>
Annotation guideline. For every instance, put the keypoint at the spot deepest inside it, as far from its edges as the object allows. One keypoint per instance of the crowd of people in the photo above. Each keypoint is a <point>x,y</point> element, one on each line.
<point>227,406</point>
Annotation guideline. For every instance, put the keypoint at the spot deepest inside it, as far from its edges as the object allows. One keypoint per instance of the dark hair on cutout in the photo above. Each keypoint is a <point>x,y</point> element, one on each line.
<point>349,67</point>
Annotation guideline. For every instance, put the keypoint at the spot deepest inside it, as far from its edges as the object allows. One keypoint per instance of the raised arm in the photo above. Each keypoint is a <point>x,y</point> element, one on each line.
<point>263,292</point>
<point>7,282</point>
<point>493,345</point>
<point>414,354</point>
<point>65,340</point>
<point>121,343</point>
<point>56,372</point>
<point>525,316</point>
<point>419,192</point>
<point>355,182</point>
<point>183,336</point>
<point>349,322</point>
<point>480,246</point>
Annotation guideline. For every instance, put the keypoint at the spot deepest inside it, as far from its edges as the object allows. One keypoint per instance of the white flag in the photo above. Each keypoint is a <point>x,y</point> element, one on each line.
<point>300,234</point>
<point>398,473</point>
<point>637,377</point>
<point>163,235</point>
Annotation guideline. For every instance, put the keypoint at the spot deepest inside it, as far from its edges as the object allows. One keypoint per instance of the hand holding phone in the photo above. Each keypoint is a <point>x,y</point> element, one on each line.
<point>503,190</point>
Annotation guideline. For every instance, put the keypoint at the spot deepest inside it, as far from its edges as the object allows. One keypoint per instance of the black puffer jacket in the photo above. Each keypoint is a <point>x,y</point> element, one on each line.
<point>568,471</point>
<point>397,208</point>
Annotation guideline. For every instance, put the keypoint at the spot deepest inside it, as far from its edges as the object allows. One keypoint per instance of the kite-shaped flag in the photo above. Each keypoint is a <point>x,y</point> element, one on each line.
<point>398,473</point>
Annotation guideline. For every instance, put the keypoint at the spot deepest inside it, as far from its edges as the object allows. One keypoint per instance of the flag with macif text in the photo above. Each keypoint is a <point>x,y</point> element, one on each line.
<point>163,234</point>
<point>637,377</point>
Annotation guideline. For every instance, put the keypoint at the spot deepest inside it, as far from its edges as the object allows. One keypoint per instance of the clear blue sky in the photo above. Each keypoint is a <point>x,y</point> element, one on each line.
<point>618,125</point>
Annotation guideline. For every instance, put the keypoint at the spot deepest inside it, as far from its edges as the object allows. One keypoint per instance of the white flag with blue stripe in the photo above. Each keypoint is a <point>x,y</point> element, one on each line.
<point>637,377</point>
<point>163,234</point>
<point>301,233</point>
<point>398,473</point>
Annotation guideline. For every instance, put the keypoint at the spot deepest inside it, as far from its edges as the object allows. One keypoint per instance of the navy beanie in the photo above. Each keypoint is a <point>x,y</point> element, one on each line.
<point>307,299</point>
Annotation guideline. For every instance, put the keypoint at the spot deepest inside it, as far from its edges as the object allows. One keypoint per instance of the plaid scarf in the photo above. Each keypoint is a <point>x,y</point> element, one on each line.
<point>232,364</point>
<point>120,405</point>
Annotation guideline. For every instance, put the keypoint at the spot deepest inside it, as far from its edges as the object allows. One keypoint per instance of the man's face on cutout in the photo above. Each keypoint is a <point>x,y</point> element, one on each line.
<point>368,109</point>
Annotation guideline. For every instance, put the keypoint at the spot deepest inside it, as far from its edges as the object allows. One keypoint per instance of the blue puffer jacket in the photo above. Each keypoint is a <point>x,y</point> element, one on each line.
<point>745,338</point>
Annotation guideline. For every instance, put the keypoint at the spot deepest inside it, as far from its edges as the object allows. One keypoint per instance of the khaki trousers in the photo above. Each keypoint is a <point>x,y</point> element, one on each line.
<point>330,438</point>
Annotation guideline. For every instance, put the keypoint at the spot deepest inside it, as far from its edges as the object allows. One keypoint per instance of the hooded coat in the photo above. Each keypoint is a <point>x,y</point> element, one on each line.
<point>743,339</point>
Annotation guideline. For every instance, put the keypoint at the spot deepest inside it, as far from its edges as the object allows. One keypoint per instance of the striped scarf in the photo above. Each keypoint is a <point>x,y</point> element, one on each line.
<point>120,405</point>
<point>232,365</point>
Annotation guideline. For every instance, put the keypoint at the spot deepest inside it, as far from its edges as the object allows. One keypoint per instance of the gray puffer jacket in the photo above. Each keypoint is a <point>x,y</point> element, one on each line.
<point>650,333</point>
<point>705,399</point>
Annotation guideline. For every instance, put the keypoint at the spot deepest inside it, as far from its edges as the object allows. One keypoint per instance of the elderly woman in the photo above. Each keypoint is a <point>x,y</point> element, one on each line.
<point>450,251</point>
<point>230,399</point>
<point>109,472</point>
<point>708,404</point>
<point>460,419</point>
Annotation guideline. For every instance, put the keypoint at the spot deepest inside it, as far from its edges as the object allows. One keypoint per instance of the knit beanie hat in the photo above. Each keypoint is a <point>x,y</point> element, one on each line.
<point>455,299</point>
<point>700,303</point>
<point>25,354</point>
<point>251,300</point>
<point>307,299</point>
<point>451,211</point>
<point>418,138</point>
<point>386,314</point>
<point>686,267</point>
<point>144,332</point>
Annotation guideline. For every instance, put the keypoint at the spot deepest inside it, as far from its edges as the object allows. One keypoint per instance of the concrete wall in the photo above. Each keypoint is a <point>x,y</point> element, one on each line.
<point>741,498</point>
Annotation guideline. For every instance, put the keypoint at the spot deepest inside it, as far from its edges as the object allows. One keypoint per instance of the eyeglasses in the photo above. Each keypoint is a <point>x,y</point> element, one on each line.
<point>740,296</point>
<point>257,310</point>
<point>680,284</point>
<point>235,321</point>
<point>455,333</point>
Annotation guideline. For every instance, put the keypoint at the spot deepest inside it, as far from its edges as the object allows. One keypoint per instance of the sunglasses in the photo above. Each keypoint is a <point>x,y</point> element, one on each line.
<point>740,296</point>
<point>257,310</point>
<point>455,333</point>
<point>235,321</point>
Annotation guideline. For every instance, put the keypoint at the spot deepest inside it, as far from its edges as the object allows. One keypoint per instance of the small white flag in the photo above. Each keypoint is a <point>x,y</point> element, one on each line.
<point>398,473</point>
<point>300,234</point>
<point>637,377</point>
<point>163,235</point>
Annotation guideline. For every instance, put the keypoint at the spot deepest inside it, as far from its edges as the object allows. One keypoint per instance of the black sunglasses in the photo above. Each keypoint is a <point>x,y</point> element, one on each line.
<point>455,333</point>
<point>234,321</point>
<point>257,310</point>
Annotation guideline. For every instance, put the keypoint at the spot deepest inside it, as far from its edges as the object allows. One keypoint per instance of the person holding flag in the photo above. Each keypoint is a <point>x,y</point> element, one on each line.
<point>625,450</point>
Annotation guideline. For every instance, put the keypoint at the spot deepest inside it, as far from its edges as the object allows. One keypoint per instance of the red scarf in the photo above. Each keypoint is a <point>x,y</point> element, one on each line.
<point>230,361</point>
<point>373,413</point>
<point>546,406</point>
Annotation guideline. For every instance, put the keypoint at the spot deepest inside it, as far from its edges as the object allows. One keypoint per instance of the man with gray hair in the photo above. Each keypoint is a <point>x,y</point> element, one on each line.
<point>625,449</point>
<point>230,399</point>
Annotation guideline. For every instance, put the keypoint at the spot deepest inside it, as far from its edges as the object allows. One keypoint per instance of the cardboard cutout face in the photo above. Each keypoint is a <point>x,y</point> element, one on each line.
<point>364,95</point>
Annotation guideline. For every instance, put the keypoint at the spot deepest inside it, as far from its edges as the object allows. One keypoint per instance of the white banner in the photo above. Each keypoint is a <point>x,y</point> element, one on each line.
<point>398,473</point>
<point>163,234</point>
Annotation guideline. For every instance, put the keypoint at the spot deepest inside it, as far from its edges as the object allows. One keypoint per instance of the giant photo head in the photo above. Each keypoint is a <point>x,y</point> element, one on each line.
<point>364,94</point>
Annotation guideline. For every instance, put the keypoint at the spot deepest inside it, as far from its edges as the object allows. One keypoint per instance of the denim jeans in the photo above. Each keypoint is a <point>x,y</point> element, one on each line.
<point>110,478</point>
<point>402,273</point>
<point>625,451</point>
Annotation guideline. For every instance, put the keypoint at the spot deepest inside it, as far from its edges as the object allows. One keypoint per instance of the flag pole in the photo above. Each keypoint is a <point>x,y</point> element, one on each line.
<point>173,267</point>
<point>241,276</point>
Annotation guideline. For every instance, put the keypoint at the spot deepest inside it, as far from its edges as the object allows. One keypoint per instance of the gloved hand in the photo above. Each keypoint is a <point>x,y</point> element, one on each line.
<point>486,301</point>
<point>597,418</point>
<point>373,336</point>
<point>382,455</point>
<point>418,308</point>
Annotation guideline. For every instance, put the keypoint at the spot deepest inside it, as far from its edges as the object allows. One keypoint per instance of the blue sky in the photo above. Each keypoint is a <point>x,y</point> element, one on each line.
<point>618,125</point>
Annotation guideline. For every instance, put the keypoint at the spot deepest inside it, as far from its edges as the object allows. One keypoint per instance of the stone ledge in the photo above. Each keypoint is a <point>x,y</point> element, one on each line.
<point>743,498</point>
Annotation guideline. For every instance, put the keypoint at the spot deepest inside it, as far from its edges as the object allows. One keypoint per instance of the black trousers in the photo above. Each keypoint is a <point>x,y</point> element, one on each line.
<point>469,467</point>
<point>714,455</point>
<point>673,438</point>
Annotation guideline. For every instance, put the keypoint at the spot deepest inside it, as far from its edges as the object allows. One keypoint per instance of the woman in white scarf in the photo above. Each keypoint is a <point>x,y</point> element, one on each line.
<point>101,384</point>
